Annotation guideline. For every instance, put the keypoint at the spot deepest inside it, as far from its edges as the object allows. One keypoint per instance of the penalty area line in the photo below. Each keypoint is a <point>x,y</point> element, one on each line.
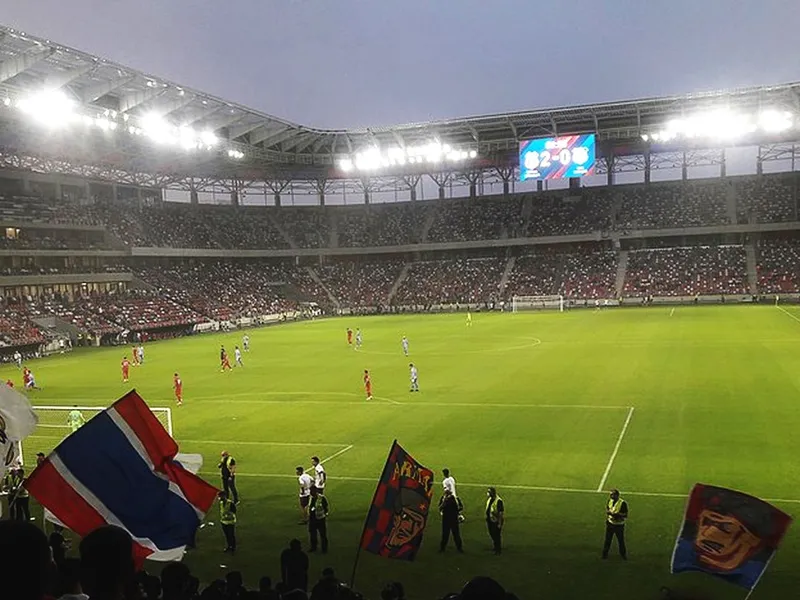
<point>339,453</point>
<point>526,488</point>
<point>786,312</point>
<point>616,450</point>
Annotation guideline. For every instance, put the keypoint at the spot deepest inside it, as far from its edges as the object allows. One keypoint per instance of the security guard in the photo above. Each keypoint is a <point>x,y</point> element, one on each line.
<point>495,512</point>
<point>227,518</point>
<point>318,510</point>
<point>616,514</point>
<point>448,508</point>
<point>227,469</point>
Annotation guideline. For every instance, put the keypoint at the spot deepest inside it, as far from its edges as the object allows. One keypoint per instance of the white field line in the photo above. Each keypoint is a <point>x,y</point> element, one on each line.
<point>780,308</point>
<point>225,442</point>
<point>672,312</point>
<point>527,488</point>
<point>339,453</point>
<point>616,449</point>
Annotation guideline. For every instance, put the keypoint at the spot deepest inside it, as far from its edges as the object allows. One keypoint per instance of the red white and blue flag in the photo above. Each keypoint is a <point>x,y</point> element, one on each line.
<point>120,469</point>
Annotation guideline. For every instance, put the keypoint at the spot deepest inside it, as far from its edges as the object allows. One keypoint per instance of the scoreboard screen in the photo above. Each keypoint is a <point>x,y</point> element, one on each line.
<point>557,158</point>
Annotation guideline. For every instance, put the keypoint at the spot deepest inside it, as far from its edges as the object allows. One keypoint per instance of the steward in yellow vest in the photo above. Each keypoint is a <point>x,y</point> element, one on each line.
<point>227,518</point>
<point>495,518</point>
<point>616,515</point>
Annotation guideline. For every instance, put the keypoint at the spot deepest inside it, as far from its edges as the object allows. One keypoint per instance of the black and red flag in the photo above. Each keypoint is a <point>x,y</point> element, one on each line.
<point>399,510</point>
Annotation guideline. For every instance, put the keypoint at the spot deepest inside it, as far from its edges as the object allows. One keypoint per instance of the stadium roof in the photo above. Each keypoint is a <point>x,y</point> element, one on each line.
<point>273,145</point>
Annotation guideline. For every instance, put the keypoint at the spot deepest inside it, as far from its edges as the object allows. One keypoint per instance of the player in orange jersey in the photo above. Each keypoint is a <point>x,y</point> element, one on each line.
<point>126,367</point>
<point>349,337</point>
<point>10,383</point>
<point>367,384</point>
<point>177,385</point>
<point>224,361</point>
<point>135,355</point>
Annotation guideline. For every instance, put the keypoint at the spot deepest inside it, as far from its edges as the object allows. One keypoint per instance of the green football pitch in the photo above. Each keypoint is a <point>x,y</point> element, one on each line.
<point>550,408</point>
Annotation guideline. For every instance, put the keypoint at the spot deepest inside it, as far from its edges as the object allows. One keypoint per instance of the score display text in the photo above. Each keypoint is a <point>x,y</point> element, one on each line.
<point>557,158</point>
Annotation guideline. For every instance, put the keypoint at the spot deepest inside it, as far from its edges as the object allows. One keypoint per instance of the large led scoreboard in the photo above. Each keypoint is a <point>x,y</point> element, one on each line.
<point>557,158</point>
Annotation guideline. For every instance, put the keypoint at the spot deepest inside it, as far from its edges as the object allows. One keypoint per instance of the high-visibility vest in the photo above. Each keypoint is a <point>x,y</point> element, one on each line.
<point>614,517</point>
<point>491,509</point>
<point>226,514</point>
<point>318,508</point>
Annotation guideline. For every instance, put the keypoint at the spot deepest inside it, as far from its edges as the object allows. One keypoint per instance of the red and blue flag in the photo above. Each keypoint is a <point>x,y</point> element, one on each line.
<point>399,511</point>
<point>120,469</point>
<point>728,534</point>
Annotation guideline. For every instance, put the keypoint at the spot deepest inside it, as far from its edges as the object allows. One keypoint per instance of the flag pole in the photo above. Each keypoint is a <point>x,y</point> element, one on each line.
<point>366,519</point>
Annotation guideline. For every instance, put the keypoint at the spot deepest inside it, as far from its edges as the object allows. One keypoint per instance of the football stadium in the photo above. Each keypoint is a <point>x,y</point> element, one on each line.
<point>585,309</point>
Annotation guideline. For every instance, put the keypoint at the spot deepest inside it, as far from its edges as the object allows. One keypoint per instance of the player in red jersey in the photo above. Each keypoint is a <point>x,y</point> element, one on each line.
<point>367,384</point>
<point>224,361</point>
<point>135,355</point>
<point>177,385</point>
<point>349,337</point>
<point>126,367</point>
<point>10,383</point>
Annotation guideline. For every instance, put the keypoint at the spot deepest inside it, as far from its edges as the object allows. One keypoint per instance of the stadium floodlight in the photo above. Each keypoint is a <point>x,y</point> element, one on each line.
<point>773,121</point>
<point>235,154</point>
<point>723,124</point>
<point>372,159</point>
<point>51,108</point>
<point>7,101</point>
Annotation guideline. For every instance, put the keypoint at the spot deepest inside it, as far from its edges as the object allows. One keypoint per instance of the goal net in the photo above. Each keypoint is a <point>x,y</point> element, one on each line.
<point>554,302</point>
<point>53,421</point>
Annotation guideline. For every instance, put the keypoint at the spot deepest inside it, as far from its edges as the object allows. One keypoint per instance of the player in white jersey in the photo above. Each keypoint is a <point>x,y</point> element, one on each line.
<point>404,342</point>
<point>141,354</point>
<point>469,319</point>
<point>358,339</point>
<point>246,343</point>
<point>18,359</point>
<point>320,476</point>
<point>306,483</point>
<point>449,482</point>
<point>449,485</point>
<point>414,377</point>
<point>237,354</point>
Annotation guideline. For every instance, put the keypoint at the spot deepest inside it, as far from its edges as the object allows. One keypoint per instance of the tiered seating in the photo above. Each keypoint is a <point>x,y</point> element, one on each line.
<point>687,271</point>
<point>146,311</point>
<point>477,219</point>
<point>308,226</point>
<point>672,205</point>
<point>767,199</point>
<point>566,215</point>
<point>357,284</point>
<point>589,275</point>
<point>16,327</point>
<point>380,224</point>
<point>778,266</point>
<point>462,281</point>
<point>535,275</point>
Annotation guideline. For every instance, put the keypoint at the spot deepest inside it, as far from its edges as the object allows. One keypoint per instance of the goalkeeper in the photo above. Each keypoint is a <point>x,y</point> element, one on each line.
<point>75,419</point>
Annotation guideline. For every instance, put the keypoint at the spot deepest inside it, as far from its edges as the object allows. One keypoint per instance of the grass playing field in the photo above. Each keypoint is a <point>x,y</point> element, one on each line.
<point>551,408</point>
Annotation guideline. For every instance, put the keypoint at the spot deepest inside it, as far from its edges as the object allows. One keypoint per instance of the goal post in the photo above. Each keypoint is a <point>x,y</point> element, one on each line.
<point>54,418</point>
<point>552,302</point>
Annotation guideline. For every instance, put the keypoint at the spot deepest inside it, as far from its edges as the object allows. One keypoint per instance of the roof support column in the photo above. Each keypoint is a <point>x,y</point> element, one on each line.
<point>647,169</point>
<point>610,161</point>
<point>276,186</point>
<point>441,179</point>
<point>321,186</point>
<point>411,181</point>
<point>505,173</point>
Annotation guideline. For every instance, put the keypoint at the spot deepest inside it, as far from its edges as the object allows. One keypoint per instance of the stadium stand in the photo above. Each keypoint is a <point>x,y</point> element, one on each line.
<point>778,266</point>
<point>687,271</point>
<point>451,281</point>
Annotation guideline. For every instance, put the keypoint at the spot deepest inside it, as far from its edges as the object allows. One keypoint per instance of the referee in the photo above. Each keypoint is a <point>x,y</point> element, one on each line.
<point>227,469</point>
<point>616,515</point>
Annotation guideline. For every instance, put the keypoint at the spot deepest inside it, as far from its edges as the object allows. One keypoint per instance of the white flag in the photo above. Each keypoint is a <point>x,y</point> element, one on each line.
<point>17,421</point>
